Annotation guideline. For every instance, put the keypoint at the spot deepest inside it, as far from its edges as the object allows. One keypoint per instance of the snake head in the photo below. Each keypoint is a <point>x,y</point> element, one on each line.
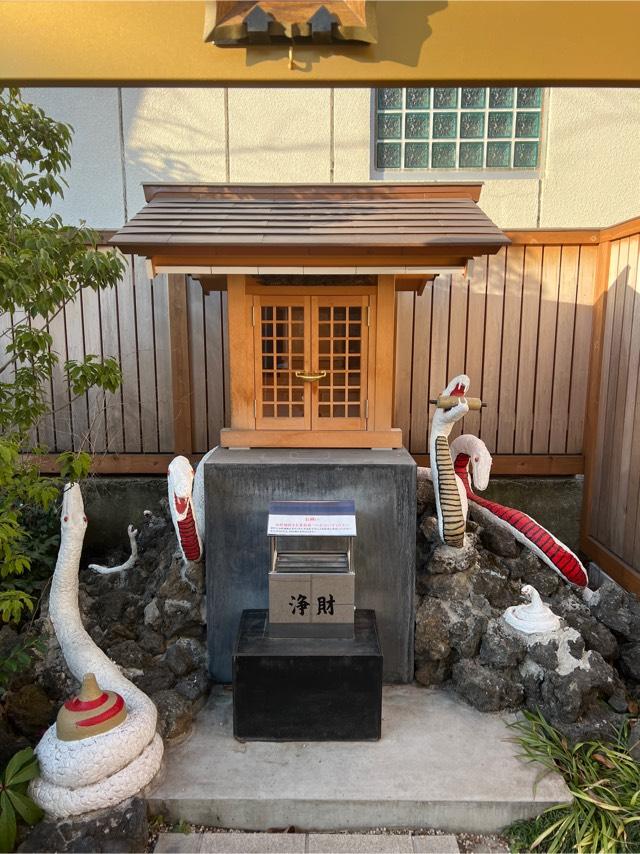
<point>72,517</point>
<point>180,477</point>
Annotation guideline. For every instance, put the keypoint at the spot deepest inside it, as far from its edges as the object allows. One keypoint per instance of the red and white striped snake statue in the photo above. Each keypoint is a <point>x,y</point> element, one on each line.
<point>472,463</point>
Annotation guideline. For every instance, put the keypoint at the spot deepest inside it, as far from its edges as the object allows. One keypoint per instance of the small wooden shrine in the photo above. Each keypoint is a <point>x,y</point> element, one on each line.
<point>311,273</point>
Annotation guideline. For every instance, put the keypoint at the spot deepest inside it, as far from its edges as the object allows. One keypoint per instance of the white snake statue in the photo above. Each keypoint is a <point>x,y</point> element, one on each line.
<point>186,503</point>
<point>472,462</point>
<point>102,770</point>
<point>451,498</point>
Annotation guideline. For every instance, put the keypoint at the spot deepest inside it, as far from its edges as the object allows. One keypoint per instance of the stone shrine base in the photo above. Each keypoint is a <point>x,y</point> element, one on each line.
<point>439,764</point>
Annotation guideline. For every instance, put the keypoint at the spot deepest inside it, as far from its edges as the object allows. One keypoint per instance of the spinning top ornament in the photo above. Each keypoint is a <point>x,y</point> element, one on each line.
<point>92,712</point>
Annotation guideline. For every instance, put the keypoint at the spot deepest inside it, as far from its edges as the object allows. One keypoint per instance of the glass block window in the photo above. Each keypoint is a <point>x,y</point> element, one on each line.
<point>468,127</point>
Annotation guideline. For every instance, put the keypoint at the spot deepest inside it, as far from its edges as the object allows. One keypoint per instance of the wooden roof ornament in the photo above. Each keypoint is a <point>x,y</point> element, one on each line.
<point>363,227</point>
<point>229,23</point>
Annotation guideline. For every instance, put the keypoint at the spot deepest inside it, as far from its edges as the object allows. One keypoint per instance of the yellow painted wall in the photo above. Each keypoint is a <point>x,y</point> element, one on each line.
<point>589,175</point>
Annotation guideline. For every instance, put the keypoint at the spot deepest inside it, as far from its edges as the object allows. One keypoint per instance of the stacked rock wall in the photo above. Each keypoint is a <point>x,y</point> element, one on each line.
<point>583,677</point>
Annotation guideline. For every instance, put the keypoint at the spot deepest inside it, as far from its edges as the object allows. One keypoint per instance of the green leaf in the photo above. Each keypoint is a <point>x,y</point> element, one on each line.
<point>25,807</point>
<point>7,824</point>
<point>16,763</point>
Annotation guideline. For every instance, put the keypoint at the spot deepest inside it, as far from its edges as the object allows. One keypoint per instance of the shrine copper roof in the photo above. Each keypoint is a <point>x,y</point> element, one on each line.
<point>385,216</point>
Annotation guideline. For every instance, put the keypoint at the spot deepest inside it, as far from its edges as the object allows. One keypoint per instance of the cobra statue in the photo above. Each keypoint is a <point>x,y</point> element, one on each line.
<point>472,463</point>
<point>451,497</point>
<point>186,503</point>
<point>103,768</point>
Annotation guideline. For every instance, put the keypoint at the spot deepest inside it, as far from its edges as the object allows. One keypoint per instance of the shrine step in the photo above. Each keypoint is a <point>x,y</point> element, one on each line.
<point>439,764</point>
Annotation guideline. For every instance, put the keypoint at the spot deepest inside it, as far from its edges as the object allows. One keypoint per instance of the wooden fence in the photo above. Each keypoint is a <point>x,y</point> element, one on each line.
<point>611,505</point>
<point>519,325</point>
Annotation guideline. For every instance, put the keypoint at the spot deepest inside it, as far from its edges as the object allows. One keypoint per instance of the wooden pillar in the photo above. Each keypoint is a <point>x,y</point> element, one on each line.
<point>385,353</point>
<point>180,364</point>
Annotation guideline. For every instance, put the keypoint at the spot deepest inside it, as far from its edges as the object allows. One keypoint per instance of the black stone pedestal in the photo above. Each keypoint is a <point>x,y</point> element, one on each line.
<point>307,689</point>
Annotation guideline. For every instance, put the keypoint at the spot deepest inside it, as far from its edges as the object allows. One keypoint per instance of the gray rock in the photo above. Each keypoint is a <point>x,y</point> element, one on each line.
<point>432,672</point>
<point>183,656</point>
<point>128,653</point>
<point>596,635</point>
<point>501,646</point>
<point>493,536</point>
<point>446,560</point>
<point>123,828</point>
<point>492,581</point>
<point>30,710</point>
<point>152,642</point>
<point>432,635</point>
<point>529,569</point>
<point>486,689</point>
<point>630,658</point>
<point>634,740</point>
<point>194,686</point>
<point>157,677</point>
<point>425,496</point>
<point>152,614</point>
<point>617,609</point>
<point>174,714</point>
<point>454,587</point>
<point>568,696</point>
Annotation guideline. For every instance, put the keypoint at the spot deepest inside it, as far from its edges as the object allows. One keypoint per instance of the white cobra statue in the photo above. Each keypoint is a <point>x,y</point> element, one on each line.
<point>472,463</point>
<point>102,770</point>
<point>451,498</point>
<point>186,503</point>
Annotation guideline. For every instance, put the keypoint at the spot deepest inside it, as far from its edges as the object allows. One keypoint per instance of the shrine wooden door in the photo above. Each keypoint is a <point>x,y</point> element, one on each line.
<point>311,362</point>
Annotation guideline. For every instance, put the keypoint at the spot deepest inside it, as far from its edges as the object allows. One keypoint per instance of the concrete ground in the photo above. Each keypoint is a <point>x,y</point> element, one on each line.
<point>304,843</point>
<point>440,763</point>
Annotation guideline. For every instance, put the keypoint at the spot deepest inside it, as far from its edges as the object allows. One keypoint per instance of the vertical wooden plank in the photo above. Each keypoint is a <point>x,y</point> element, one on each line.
<point>240,355</point>
<point>631,440</point>
<point>129,364</point>
<point>459,290</point>
<point>561,392</point>
<point>420,379</point>
<point>110,333</point>
<point>146,357</point>
<point>627,383</point>
<point>509,349</point>
<point>475,337</point>
<point>162,352</point>
<point>45,432</point>
<point>75,350</point>
<point>385,353</point>
<point>96,398</point>
<point>581,348</point>
<point>528,348</point>
<point>438,378</point>
<point>180,367</point>
<point>404,352</point>
<point>611,446</point>
<point>225,352</point>
<point>197,358</point>
<point>59,386</point>
<point>546,349</point>
<point>596,414</point>
<point>213,323</point>
<point>492,347</point>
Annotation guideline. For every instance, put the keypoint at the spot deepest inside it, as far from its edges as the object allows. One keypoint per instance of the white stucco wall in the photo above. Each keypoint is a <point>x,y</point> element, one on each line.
<point>589,175</point>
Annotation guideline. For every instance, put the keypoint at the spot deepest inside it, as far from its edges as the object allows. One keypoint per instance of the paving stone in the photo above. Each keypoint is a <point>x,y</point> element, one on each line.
<point>178,843</point>
<point>359,843</point>
<point>253,843</point>
<point>435,845</point>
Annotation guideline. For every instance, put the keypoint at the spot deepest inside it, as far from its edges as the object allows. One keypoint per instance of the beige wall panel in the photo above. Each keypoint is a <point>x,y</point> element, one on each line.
<point>510,202</point>
<point>279,135</point>
<point>172,135</point>
<point>592,174</point>
<point>94,193</point>
<point>352,135</point>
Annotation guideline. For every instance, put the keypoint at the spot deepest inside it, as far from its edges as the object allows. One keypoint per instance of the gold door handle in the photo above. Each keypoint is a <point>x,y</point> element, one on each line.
<point>310,377</point>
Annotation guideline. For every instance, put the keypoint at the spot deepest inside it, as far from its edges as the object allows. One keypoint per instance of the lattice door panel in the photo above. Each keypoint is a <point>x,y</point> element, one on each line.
<point>340,354</point>
<point>282,344</point>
